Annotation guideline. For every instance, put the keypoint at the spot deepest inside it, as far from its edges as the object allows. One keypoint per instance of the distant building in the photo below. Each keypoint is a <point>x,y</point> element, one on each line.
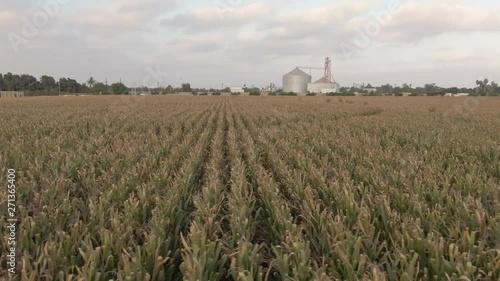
<point>370,89</point>
<point>322,86</point>
<point>237,90</point>
<point>11,94</point>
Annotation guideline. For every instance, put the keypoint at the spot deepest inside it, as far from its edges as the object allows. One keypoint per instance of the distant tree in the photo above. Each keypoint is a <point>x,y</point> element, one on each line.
<point>12,82</point>
<point>483,88</point>
<point>29,83</point>
<point>430,88</point>
<point>91,82</point>
<point>453,90</point>
<point>69,85</point>
<point>118,88</point>
<point>2,84</point>
<point>495,89</point>
<point>387,88</point>
<point>186,87</point>
<point>100,88</point>
<point>255,91</point>
<point>84,88</point>
<point>169,89</point>
<point>406,87</point>
<point>466,90</point>
<point>48,83</point>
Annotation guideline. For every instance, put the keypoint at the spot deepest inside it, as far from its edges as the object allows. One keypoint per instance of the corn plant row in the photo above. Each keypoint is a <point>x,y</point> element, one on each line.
<point>291,252</point>
<point>171,216</point>
<point>247,257</point>
<point>202,257</point>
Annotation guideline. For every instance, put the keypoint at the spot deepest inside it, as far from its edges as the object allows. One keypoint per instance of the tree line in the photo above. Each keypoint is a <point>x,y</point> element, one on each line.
<point>484,88</point>
<point>48,85</point>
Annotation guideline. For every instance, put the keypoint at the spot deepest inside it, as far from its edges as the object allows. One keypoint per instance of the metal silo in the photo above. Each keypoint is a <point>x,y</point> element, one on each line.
<point>296,81</point>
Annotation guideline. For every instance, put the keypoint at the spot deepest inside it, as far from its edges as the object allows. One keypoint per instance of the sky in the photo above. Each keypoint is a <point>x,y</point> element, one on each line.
<point>215,43</point>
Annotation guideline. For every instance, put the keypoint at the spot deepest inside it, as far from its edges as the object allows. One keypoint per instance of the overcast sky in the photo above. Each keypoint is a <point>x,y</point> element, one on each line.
<point>236,42</point>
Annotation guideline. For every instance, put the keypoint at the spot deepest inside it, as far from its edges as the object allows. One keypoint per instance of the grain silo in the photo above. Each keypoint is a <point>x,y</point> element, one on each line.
<point>296,81</point>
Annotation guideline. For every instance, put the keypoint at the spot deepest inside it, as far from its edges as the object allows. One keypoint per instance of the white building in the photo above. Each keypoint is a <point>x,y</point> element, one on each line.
<point>237,90</point>
<point>11,94</point>
<point>322,86</point>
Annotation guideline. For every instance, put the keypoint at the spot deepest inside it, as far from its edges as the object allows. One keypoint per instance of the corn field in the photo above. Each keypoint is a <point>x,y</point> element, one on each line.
<point>253,188</point>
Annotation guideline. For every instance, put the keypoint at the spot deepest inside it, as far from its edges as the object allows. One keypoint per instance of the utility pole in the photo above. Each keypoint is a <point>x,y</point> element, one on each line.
<point>59,85</point>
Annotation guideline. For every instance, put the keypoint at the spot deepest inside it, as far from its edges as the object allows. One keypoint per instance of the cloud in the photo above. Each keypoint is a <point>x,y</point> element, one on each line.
<point>415,20</point>
<point>238,40</point>
<point>209,18</point>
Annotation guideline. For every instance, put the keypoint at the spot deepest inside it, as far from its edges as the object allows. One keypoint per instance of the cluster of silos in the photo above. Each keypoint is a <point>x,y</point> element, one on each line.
<point>296,81</point>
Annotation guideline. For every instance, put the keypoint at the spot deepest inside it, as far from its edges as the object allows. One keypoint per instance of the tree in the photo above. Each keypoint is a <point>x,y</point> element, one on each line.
<point>255,91</point>
<point>91,82</point>
<point>407,87</point>
<point>169,89</point>
<point>118,88</point>
<point>453,90</point>
<point>101,88</point>
<point>30,83</point>
<point>495,89</point>
<point>483,88</point>
<point>69,85</point>
<point>2,84</point>
<point>12,82</point>
<point>419,91</point>
<point>48,83</point>
<point>430,88</point>
<point>387,88</point>
<point>186,87</point>
<point>84,88</point>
